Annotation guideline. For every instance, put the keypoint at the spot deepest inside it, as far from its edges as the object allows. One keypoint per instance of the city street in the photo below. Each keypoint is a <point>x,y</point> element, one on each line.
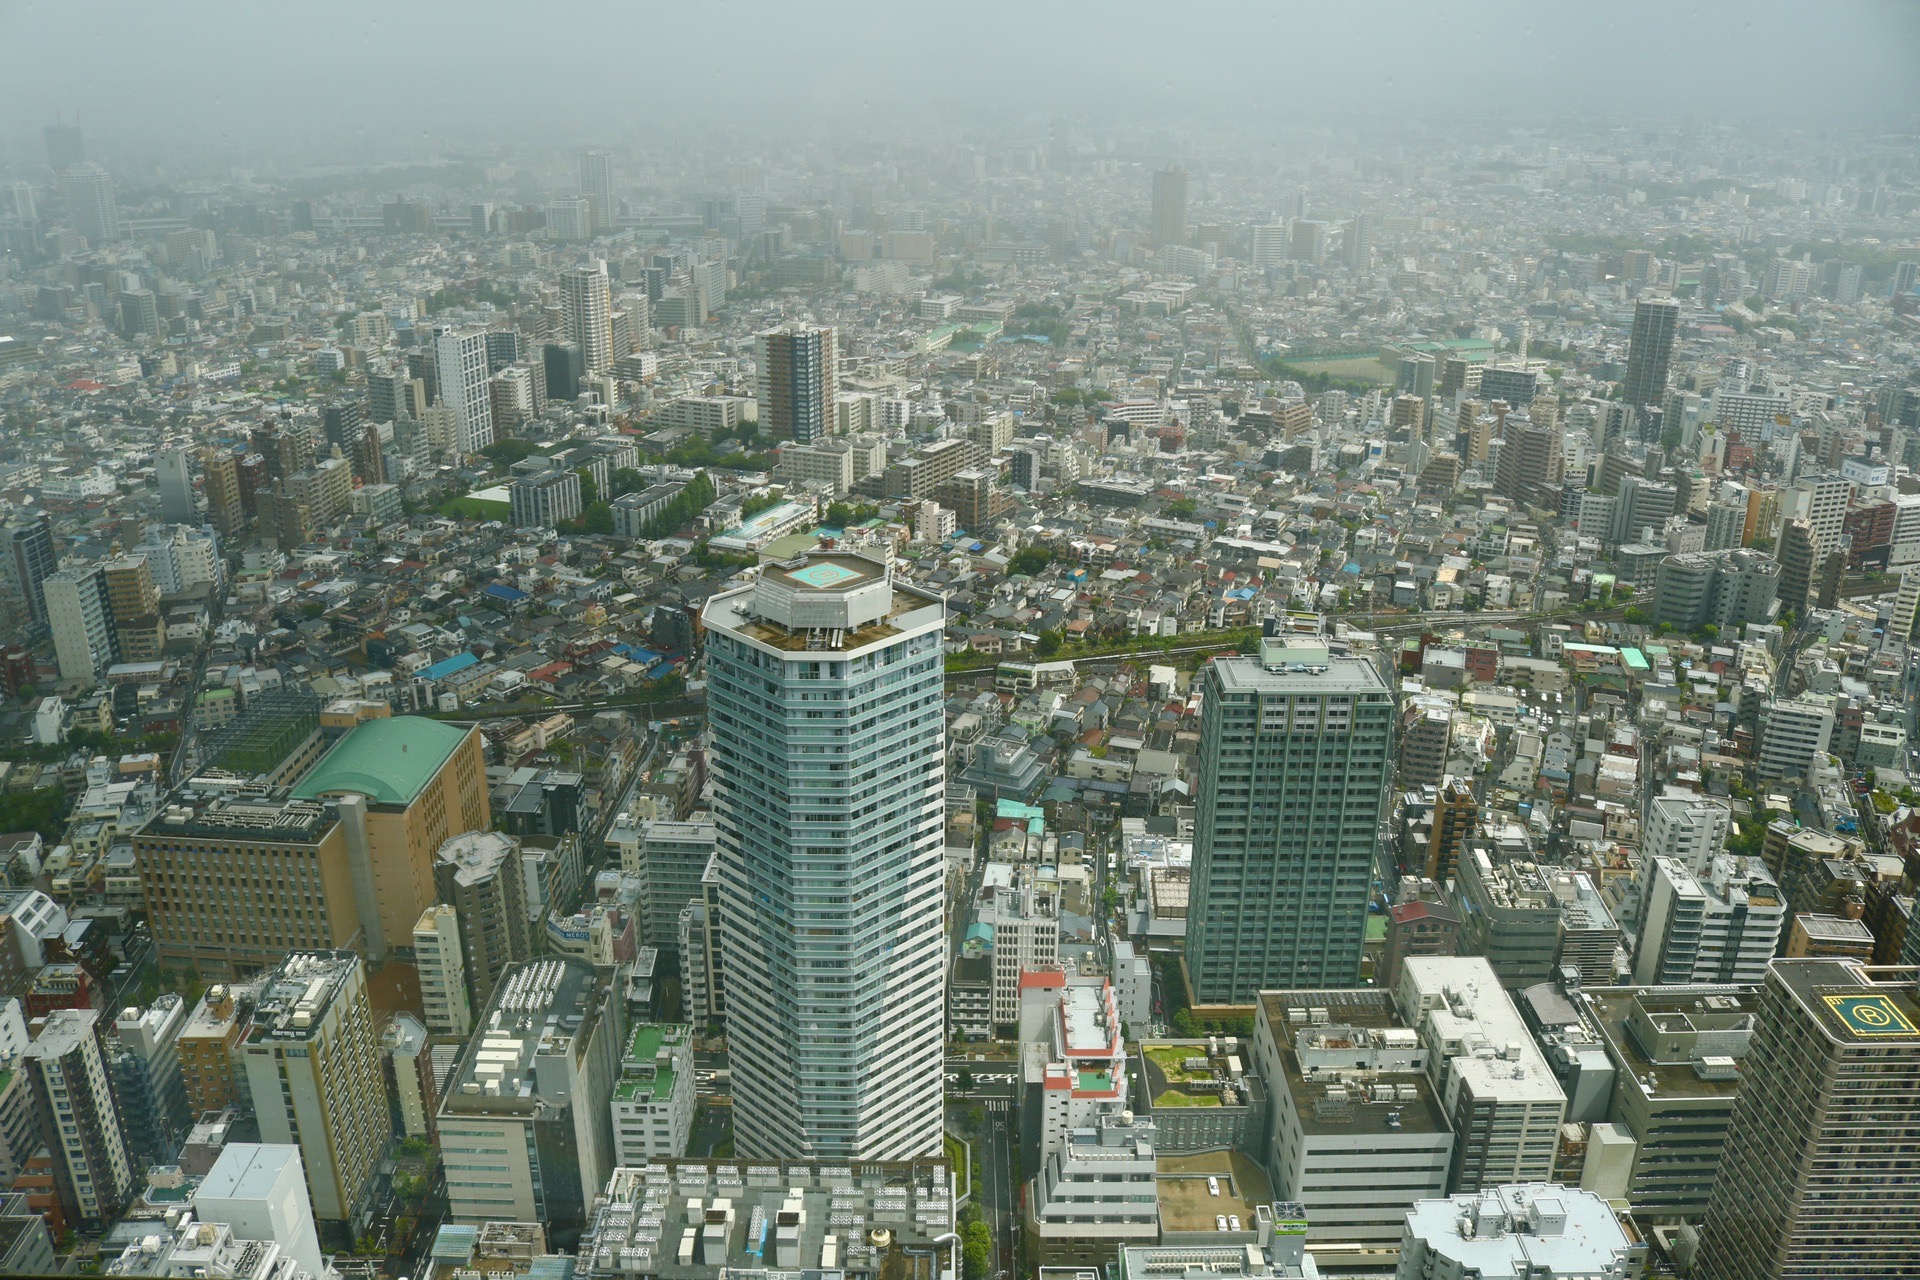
<point>999,1188</point>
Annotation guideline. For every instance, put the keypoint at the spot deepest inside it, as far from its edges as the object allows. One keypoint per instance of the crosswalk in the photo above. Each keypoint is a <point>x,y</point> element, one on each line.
<point>981,1077</point>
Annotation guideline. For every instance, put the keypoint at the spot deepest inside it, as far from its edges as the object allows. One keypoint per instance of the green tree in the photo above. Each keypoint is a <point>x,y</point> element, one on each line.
<point>625,480</point>
<point>1048,645</point>
<point>504,453</point>
<point>976,1251</point>
<point>44,810</point>
<point>589,488</point>
<point>964,1081</point>
<point>1030,560</point>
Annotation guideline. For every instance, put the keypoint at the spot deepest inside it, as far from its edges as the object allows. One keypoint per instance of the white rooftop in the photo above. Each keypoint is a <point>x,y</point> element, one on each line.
<point>1534,1231</point>
<point>1458,1000</point>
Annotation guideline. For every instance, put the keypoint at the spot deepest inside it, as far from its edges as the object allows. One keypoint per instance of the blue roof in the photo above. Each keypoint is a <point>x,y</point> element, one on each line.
<point>447,666</point>
<point>501,591</point>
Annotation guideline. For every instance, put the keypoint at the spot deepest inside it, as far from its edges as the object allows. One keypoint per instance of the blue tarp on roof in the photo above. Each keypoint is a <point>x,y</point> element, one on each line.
<point>447,666</point>
<point>1240,593</point>
<point>501,591</point>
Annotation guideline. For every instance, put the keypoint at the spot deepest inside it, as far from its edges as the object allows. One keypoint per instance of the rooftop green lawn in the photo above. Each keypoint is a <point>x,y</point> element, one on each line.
<point>1168,1058</point>
<point>648,1037</point>
<point>1175,1098</point>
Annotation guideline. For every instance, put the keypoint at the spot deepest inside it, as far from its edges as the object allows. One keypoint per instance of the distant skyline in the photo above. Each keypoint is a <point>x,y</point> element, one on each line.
<point>370,81</point>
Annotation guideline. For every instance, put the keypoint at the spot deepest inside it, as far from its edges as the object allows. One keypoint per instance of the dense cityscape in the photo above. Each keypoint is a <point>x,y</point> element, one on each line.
<point>1078,697</point>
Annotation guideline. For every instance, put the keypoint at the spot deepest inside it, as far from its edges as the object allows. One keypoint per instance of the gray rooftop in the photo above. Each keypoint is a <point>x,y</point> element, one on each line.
<point>1297,665</point>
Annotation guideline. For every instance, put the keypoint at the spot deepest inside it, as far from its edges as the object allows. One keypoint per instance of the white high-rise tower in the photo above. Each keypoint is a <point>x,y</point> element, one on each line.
<point>828,761</point>
<point>586,309</point>
<point>460,359</point>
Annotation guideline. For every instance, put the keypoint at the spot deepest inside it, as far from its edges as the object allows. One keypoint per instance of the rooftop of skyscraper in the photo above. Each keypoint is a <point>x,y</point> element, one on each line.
<point>1390,1095</point>
<point>1677,1042</point>
<point>1297,664</point>
<point>832,601</point>
<point>297,994</point>
<point>233,809</point>
<point>541,1009</point>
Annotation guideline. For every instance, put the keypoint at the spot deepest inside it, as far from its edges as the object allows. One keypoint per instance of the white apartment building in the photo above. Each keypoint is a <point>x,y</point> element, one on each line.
<point>1822,502</point>
<point>1722,924</point>
<point>460,363</point>
<point>825,462</point>
<point>1073,1057</point>
<point>525,1120</point>
<point>1688,827</point>
<point>1098,1192</point>
<point>443,971</point>
<point>74,1097</point>
<point>1498,1092</point>
<point>180,557</point>
<point>1794,732</point>
<point>1540,1231</point>
<point>1019,917</point>
<point>653,1099</point>
<point>586,313</point>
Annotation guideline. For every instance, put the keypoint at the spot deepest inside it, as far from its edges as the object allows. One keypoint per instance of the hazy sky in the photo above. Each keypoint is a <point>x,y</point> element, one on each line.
<point>410,78</point>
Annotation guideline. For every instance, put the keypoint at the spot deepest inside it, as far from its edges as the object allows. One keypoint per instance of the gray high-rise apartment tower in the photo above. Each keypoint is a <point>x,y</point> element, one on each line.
<point>1817,1178</point>
<point>173,476</point>
<point>79,1124</point>
<point>586,311</point>
<point>829,745</point>
<point>798,380</point>
<point>90,203</point>
<point>596,184</point>
<point>1650,350</point>
<point>1296,753</point>
<point>31,560</point>
<point>1359,247</point>
<point>1169,207</point>
<point>82,623</point>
